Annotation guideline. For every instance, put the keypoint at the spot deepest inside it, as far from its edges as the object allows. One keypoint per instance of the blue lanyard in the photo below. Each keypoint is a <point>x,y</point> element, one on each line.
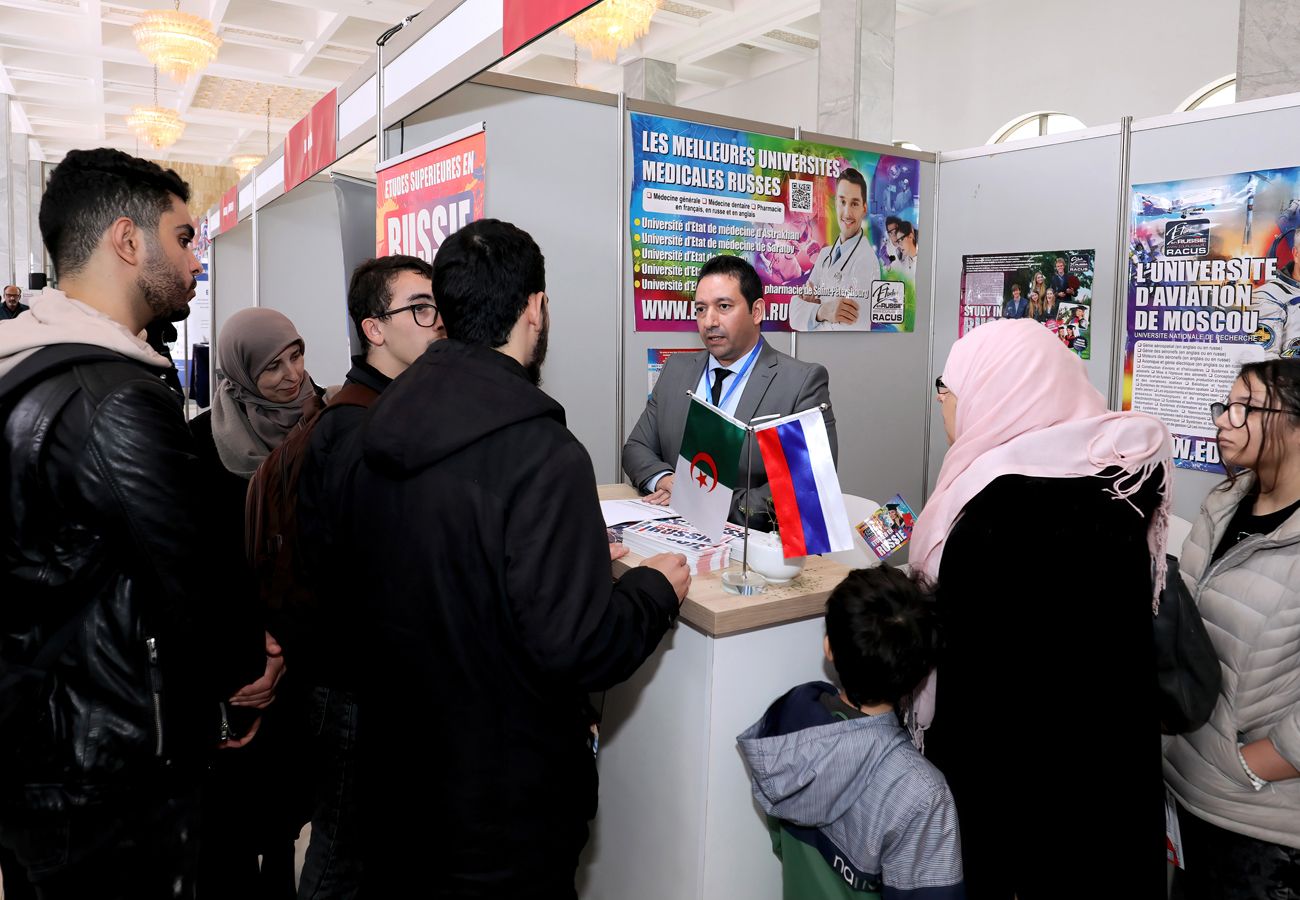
<point>739,376</point>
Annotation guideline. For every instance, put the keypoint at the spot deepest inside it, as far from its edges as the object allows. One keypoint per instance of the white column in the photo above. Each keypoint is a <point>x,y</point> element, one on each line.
<point>7,242</point>
<point>1267,61</point>
<point>19,182</point>
<point>651,79</point>
<point>855,69</point>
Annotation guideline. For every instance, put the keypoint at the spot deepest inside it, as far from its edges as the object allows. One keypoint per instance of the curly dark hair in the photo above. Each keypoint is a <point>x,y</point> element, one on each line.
<point>883,627</point>
<point>90,190</point>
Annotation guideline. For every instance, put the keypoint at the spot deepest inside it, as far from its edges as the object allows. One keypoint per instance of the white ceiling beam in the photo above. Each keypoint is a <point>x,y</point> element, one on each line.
<point>763,42</point>
<point>52,44</point>
<point>383,11</point>
<point>327,24</point>
<point>93,30</point>
<point>752,20</point>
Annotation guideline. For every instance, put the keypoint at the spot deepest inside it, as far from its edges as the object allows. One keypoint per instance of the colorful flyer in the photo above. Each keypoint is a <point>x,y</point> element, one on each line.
<point>887,529</point>
<point>1212,285</point>
<point>1053,287</point>
<point>655,359</point>
<point>428,193</point>
<point>833,232</point>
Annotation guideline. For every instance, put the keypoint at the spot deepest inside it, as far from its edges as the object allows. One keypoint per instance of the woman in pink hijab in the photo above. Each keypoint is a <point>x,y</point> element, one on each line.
<point>1045,722</point>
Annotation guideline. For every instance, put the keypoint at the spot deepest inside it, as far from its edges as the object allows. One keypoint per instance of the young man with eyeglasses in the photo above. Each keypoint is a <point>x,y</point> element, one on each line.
<point>390,300</point>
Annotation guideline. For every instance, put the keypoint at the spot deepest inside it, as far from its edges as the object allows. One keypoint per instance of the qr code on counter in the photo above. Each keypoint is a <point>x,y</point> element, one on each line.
<point>801,193</point>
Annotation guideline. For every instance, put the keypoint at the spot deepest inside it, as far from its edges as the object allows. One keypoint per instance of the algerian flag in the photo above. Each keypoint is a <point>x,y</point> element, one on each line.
<point>707,468</point>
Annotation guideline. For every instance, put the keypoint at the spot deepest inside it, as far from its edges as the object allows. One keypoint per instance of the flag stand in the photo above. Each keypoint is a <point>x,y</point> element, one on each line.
<point>746,582</point>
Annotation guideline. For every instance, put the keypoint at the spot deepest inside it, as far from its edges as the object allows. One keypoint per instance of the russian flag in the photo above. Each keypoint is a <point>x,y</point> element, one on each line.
<point>805,489</point>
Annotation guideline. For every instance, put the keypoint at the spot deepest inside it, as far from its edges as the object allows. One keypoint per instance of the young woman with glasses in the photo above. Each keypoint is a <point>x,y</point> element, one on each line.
<point>1237,779</point>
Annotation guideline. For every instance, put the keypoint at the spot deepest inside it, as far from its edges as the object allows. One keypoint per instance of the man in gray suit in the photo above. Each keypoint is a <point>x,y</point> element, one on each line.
<point>742,375</point>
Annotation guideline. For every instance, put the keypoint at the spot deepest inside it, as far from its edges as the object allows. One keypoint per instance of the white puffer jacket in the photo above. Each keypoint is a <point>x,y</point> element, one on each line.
<point>1250,600</point>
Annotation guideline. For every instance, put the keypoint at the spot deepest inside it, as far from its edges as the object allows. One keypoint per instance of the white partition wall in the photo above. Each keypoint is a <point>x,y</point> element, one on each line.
<point>1240,138</point>
<point>304,274</point>
<point>1053,195</point>
<point>233,277</point>
<point>552,165</point>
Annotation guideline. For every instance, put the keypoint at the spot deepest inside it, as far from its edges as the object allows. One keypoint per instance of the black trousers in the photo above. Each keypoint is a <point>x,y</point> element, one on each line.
<point>1224,865</point>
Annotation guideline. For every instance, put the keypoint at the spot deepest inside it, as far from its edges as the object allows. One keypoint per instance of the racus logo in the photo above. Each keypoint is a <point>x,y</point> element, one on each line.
<point>1187,237</point>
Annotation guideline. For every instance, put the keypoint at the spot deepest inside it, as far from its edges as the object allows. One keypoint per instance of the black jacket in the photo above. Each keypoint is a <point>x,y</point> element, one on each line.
<point>1045,721</point>
<point>107,522</point>
<point>326,648</point>
<point>483,559</point>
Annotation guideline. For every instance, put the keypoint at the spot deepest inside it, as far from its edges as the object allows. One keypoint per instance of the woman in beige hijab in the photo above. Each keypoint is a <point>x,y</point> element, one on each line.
<point>255,801</point>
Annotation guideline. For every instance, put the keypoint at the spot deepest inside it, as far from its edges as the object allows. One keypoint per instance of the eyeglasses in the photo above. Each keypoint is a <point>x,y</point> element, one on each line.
<point>939,386</point>
<point>425,314</point>
<point>1237,412</point>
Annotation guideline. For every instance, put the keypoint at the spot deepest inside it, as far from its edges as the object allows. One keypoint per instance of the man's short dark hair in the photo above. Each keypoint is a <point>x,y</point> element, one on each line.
<point>892,222</point>
<point>853,176</point>
<point>1016,287</point>
<point>370,290</point>
<point>90,190</point>
<point>883,627</point>
<point>483,276</point>
<point>751,286</point>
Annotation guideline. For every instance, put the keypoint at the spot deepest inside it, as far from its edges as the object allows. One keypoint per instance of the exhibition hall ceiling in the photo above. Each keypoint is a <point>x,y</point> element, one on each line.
<point>73,70</point>
<point>715,44</point>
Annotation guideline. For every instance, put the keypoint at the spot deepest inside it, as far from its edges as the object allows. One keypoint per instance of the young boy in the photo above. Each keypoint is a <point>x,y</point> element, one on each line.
<point>855,810</point>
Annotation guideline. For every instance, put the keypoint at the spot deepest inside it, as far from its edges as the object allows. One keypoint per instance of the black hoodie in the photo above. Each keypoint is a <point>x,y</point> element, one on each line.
<point>487,573</point>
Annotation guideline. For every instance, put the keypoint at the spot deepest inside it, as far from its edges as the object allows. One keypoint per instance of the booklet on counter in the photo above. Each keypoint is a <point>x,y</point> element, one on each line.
<point>702,555</point>
<point>621,512</point>
<point>887,529</point>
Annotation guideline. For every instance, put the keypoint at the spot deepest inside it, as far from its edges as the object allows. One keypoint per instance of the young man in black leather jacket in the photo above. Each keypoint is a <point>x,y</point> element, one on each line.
<point>113,655</point>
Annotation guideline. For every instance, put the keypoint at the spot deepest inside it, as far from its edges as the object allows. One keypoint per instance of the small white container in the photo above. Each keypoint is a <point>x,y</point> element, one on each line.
<point>768,559</point>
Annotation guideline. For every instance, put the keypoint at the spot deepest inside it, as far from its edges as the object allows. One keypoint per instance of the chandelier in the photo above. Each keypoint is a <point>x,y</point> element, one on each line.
<point>611,26</point>
<point>156,125</point>
<point>245,162</point>
<point>177,42</point>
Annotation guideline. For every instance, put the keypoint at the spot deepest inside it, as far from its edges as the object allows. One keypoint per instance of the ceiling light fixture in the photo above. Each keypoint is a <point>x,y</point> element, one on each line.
<point>612,26</point>
<point>177,42</point>
<point>156,125</point>
<point>245,162</point>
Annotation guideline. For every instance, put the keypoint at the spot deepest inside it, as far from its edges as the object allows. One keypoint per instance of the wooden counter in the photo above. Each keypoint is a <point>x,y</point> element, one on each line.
<point>717,613</point>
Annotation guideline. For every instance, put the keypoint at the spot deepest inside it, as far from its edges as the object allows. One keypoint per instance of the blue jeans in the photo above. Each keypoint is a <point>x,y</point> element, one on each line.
<point>332,870</point>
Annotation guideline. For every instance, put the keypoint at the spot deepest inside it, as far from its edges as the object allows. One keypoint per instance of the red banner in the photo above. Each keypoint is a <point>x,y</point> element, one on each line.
<point>423,199</point>
<point>228,213</point>
<point>526,19</point>
<point>312,144</point>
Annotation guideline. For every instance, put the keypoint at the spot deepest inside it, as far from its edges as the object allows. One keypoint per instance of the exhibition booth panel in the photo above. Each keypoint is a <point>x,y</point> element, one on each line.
<point>1229,175</point>
<point>1179,231</point>
<point>309,240</point>
<point>1016,208</point>
<point>552,169</point>
<point>234,276</point>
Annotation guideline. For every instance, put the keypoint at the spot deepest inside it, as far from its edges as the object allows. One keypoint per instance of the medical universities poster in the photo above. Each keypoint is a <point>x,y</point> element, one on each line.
<point>1211,286</point>
<point>423,196</point>
<point>1053,287</point>
<point>831,231</point>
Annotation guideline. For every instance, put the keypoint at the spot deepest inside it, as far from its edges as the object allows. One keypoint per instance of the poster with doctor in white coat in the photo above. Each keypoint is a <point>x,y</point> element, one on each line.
<point>855,284</point>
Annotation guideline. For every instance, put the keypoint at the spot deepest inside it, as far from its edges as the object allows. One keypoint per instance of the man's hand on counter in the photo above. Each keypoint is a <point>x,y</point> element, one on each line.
<point>673,567</point>
<point>617,551</point>
<point>662,495</point>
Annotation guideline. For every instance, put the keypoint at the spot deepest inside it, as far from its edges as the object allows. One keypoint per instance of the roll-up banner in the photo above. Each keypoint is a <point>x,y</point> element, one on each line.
<point>832,232</point>
<point>1212,285</point>
<point>425,195</point>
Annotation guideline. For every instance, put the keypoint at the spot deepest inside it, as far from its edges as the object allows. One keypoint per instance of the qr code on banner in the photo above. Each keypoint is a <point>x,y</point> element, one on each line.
<point>801,196</point>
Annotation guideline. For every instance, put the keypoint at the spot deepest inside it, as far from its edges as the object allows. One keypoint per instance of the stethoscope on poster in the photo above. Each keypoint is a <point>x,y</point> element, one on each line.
<point>838,274</point>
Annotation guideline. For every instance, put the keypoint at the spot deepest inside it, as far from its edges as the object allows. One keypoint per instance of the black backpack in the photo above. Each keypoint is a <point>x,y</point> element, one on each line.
<point>1187,665</point>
